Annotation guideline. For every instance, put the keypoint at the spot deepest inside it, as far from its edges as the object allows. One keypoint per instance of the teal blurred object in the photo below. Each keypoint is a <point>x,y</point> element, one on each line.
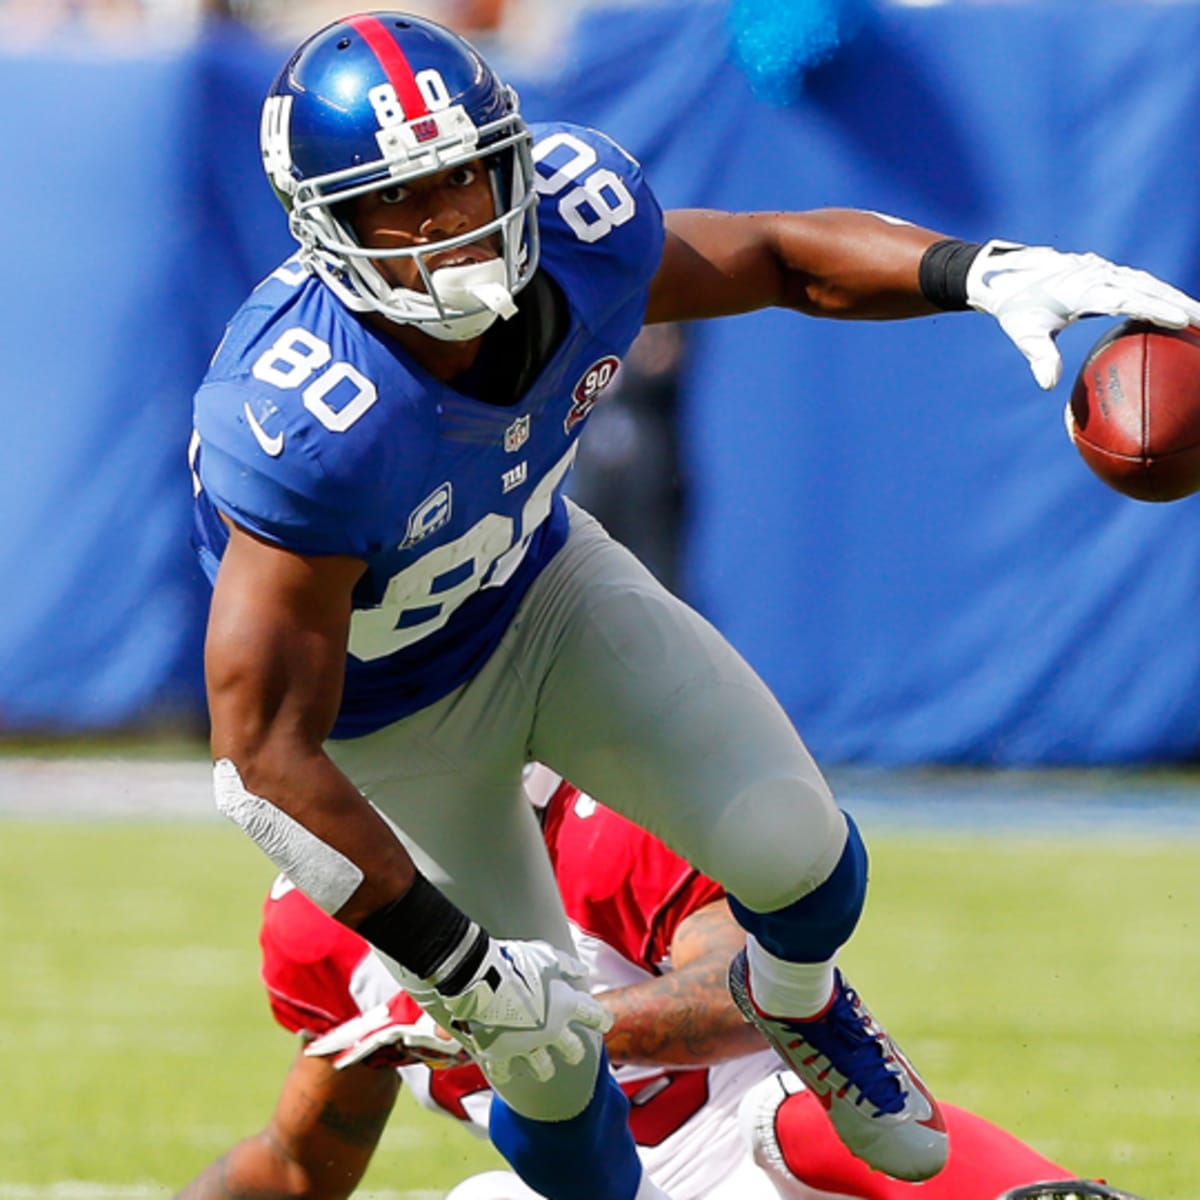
<point>775,42</point>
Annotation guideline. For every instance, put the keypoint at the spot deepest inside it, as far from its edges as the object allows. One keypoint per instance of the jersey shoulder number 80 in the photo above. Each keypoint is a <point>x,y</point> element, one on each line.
<point>592,199</point>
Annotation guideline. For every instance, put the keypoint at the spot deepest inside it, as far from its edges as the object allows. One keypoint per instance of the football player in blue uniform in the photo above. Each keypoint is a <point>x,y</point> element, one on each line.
<point>407,610</point>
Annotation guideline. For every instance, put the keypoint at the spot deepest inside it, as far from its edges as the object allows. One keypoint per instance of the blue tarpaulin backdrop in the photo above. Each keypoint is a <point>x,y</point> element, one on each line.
<point>887,520</point>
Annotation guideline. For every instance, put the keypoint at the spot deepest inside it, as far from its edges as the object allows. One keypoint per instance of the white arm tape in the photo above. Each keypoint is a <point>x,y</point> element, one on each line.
<point>325,875</point>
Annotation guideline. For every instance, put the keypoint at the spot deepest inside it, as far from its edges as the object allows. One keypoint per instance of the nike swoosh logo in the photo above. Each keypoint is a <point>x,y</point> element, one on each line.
<point>270,445</point>
<point>925,1108</point>
<point>988,276</point>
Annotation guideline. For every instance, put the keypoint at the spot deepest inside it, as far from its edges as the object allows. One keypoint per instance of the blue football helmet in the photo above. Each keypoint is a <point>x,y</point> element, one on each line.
<point>379,99</point>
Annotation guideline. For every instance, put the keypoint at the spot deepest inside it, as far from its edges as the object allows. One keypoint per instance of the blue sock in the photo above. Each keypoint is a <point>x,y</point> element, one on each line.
<point>588,1157</point>
<point>812,928</point>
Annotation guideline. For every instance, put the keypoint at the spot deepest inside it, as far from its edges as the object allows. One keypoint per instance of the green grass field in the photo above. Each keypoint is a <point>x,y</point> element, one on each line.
<point>1049,984</point>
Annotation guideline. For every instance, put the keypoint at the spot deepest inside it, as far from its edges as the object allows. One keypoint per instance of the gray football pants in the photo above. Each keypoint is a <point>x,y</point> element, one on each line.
<point>623,689</point>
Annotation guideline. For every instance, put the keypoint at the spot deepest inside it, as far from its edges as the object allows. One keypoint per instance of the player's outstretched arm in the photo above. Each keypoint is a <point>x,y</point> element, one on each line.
<point>685,1017</point>
<point>860,265</point>
<point>829,263</point>
<point>317,1144</point>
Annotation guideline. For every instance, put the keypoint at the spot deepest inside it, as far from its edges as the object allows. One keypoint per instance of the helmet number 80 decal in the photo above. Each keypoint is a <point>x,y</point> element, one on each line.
<point>386,104</point>
<point>598,202</point>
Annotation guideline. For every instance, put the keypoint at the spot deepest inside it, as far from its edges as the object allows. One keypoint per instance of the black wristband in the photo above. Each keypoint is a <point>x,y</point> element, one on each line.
<point>429,935</point>
<point>942,276</point>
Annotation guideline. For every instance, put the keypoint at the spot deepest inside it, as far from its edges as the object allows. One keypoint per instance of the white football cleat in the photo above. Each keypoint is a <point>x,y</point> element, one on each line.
<point>879,1107</point>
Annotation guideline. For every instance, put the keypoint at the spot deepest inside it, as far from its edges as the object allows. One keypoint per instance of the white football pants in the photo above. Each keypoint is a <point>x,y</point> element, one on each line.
<point>630,694</point>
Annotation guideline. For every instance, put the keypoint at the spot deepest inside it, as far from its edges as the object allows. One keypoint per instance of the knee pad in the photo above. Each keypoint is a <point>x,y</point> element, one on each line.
<point>812,928</point>
<point>778,840</point>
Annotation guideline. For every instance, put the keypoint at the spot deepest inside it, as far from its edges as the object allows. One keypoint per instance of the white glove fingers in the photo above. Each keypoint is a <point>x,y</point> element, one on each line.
<point>1044,359</point>
<point>339,1038</point>
<point>1153,308</point>
<point>570,1047</point>
<point>591,1014</point>
<point>364,1048</point>
<point>1036,343</point>
<point>424,1032</point>
<point>360,1037</point>
<point>1034,292</point>
<point>323,1046</point>
<point>1131,293</point>
<point>530,1004</point>
<point>1047,369</point>
<point>1121,291</point>
<point>541,1064</point>
<point>1165,293</point>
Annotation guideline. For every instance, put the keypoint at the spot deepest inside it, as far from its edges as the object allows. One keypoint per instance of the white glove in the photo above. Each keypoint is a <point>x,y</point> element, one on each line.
<point>1034,292</point>
<point>524,1001</point>
<point>384,1036</point>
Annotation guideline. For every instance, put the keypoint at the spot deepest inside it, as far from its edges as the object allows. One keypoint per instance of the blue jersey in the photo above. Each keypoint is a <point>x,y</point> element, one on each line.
<point>316,433</point>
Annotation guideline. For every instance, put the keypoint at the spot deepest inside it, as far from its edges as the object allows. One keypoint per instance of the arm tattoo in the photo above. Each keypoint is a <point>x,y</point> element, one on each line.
<point>685,1017</point>
<point>362,1129</point>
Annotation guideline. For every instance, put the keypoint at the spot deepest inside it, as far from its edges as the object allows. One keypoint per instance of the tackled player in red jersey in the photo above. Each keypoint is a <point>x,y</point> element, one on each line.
<point>713,1116</point>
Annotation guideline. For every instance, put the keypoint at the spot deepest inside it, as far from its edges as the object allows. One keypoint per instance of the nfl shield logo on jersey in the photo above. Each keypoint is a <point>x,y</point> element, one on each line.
<point>587,391</point>
<point>516,435</point>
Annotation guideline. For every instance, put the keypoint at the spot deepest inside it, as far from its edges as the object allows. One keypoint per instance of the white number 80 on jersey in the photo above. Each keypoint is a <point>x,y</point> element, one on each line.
<point>598,203</point>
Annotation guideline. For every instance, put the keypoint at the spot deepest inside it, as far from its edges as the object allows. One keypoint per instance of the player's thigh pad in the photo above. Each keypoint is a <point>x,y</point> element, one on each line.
<point>469,828</point>
<point>647,707</point>
<point>448,778</point>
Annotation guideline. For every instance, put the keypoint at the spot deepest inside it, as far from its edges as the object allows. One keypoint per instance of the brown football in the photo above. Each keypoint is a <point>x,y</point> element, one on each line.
<point>1134,413</point>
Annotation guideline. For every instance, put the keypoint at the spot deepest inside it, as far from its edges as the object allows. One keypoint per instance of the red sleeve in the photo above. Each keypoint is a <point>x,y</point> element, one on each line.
<point>308,962</point>
<point>618,882</point>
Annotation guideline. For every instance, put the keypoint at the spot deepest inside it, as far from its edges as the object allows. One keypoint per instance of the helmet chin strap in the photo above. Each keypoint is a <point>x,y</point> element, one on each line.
<point>467,287</point>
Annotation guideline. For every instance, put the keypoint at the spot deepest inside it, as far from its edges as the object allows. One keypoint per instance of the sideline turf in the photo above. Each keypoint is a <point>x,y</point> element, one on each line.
<point>1049,984</point>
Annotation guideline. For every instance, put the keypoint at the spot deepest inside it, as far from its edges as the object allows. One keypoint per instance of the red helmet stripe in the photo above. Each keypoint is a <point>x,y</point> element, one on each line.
<point>394,63</point>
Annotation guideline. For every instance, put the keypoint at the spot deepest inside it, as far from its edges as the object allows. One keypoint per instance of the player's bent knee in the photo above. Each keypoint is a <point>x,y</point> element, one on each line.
<point>562,1097</point>
<point>812,928</point>
<point>776,842</point>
